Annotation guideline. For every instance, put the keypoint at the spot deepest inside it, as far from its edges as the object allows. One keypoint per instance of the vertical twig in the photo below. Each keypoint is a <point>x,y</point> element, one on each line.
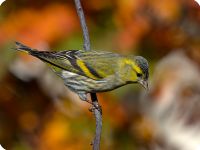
<point>79,9</point>
<point>98,117</point>
<point>97,108</point>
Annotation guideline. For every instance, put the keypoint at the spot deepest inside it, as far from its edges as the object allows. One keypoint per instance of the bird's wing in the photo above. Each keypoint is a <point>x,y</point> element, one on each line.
<point>98,64</point>
<point>92,64</point>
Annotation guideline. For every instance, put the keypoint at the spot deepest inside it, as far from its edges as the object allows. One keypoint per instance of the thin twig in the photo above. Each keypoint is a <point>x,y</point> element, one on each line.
<point>97,111</point>
<point>79,9</point>
<point>98,116</point>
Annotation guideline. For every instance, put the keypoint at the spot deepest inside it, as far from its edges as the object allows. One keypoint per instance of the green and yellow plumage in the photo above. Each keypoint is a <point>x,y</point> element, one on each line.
<point>93,71</point>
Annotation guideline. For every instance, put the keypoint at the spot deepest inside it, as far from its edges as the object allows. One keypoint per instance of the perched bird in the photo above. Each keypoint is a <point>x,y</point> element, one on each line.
<point>93,71</point>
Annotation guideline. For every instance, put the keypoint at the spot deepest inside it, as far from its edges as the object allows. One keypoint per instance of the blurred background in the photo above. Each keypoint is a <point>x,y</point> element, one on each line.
<point>37,112</point>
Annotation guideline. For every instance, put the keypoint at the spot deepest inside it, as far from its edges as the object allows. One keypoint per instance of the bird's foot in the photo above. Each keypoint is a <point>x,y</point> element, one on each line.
<point>88,101</point>
<point>95,106</point>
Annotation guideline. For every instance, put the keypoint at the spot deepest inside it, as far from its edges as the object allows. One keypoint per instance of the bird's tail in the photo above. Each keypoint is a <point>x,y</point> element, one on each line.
<point>21,47</point>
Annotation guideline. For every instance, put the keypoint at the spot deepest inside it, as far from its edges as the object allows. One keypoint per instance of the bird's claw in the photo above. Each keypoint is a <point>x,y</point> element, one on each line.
<point>95,106</point>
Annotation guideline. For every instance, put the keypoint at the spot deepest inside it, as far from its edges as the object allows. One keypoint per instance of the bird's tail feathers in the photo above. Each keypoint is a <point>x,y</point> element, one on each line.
<point>22,47</point>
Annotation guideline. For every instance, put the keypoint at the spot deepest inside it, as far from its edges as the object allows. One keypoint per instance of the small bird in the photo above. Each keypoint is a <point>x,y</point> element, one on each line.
<point>93,71</point>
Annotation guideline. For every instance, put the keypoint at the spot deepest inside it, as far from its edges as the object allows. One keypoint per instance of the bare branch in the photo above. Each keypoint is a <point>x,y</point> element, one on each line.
<point>97,111</point>
<point>79,9</point>
<point>98,116</point>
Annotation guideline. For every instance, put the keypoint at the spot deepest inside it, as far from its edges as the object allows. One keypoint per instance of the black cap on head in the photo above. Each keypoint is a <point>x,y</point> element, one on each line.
<point>143,64</point>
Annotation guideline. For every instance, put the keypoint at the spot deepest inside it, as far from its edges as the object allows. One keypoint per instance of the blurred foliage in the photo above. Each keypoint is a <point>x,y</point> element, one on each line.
<point>38,112</point>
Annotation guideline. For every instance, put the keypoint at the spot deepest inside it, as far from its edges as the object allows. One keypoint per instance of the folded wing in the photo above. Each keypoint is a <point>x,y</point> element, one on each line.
<point>92,64</point>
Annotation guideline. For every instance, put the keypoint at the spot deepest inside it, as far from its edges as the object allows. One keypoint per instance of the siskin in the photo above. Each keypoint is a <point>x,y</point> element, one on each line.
<point>93,71</point>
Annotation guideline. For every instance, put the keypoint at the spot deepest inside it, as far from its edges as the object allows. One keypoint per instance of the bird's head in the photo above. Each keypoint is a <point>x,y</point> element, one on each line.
<point>142,71</point>
<point>136,69</point>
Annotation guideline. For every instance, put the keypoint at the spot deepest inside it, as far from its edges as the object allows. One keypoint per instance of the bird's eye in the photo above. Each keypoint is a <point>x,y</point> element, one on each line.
<point>139,75</point>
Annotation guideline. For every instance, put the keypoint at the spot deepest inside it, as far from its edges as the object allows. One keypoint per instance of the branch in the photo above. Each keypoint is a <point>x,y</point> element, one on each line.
<point>97,111</point>
<point>79,9</point>
<point>98,116</point>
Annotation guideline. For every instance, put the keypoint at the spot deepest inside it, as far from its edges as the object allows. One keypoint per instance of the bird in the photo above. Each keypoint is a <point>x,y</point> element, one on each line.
<point>93,71</point>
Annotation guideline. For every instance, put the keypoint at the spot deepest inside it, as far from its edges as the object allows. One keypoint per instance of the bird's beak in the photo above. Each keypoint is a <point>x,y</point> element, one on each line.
<point>144,84</point>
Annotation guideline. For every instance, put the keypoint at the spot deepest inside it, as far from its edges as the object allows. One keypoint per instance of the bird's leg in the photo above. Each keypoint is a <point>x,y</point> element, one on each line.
<point>88,101</point>
<point>95,106</point>
<point>83,96</point>
<point>95,103</point>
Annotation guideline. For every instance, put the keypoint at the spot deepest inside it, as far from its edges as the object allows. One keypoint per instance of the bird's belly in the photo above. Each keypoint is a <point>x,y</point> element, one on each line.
<point>78,83</point>
<point>74,82</point>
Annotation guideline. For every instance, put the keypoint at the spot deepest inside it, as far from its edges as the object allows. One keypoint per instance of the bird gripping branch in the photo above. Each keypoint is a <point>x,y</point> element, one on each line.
<point>93,71</point>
